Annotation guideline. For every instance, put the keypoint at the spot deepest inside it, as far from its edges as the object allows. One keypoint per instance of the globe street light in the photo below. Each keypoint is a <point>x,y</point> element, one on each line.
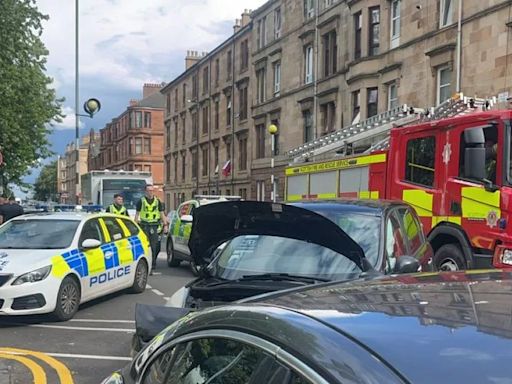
<point>273,129</point>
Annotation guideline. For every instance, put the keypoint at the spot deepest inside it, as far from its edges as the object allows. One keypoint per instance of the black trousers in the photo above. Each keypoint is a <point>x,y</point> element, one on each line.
<point>151,231</point>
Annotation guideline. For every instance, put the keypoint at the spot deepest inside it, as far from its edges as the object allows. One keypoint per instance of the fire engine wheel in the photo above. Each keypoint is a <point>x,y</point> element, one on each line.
<point>172,261</point>
<point>449,258</point>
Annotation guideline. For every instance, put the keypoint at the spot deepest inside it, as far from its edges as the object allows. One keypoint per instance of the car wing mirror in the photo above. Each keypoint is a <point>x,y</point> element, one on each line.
<point>91,244</point>
<point>406,264</point>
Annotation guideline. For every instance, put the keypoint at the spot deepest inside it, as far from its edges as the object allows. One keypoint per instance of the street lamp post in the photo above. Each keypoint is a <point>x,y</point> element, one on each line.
<point>77,97</point>
<point>91,106</point>
<point>272,129</point>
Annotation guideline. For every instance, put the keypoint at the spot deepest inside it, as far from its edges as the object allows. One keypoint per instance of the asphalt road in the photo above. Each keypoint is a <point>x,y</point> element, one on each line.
<point>89,347</point>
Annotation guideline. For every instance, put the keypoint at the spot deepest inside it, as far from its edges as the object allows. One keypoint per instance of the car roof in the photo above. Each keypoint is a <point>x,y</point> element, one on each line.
<point>456,322</point>
<point>376,207</point>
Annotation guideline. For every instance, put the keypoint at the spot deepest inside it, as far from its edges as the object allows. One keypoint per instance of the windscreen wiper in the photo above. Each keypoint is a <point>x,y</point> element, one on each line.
<point>270,277</point>
<point>282,277</point>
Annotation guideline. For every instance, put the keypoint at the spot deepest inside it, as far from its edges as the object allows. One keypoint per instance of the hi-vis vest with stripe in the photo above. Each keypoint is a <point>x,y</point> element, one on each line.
<point>114,210</point>
<point>150,213</point>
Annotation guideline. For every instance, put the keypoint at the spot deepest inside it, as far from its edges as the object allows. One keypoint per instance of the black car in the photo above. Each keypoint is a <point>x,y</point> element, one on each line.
<point>270,247</point>
<point>252,261</point>
<point>422,328</point>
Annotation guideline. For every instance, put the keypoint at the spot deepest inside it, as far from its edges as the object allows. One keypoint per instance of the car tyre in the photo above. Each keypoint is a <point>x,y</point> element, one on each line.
<point>68,300</point>
<point>449,258</point>
<point>141,277</point>
<point>172,261</point>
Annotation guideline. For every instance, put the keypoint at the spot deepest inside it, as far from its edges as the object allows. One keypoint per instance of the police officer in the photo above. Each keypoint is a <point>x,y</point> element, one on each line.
<point>150,214</point>
<point>117,207</point>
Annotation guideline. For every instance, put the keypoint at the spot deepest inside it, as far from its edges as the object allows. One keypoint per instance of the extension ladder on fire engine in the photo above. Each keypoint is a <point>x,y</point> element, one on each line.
<point>382,124</point>
<point>455,106</point>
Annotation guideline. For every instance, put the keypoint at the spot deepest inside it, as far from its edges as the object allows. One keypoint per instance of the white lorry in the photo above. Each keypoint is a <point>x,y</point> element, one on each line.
<point>99,187</point>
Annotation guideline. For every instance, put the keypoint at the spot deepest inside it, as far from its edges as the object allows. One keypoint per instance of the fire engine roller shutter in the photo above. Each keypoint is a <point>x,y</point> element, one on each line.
<point>297,187</point>
<point>323,185</point>
<point>354,182</point>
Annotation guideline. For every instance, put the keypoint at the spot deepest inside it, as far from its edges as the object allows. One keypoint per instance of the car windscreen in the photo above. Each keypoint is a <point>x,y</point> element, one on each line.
<point>250,255</point>
<point>364,229</point>
<point>38,234</point>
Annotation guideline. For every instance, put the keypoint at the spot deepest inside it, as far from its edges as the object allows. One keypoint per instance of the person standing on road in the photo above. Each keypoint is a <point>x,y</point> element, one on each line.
<point>150,214</point>
<point>117,207</point>
<point>10,210</point>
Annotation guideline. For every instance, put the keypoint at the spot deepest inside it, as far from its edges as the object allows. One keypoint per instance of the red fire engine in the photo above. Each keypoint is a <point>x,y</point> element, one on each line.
<point>452,164</point>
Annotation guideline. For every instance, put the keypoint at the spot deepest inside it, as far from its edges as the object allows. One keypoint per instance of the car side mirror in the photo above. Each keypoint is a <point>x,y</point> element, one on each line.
<point>406,264</point>
<point>91,244</point>
<point>187,218</point>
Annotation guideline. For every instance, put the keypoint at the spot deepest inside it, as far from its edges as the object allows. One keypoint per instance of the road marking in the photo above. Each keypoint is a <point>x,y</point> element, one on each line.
<point>148,286</point>
<point>157,273</point>
<point>92,357</point>
<point>167,298</point>
<point>156,291</point>
<point>81,328</point>
<point>37,371</point>
<point>63,372</point>
<point>103,321</point>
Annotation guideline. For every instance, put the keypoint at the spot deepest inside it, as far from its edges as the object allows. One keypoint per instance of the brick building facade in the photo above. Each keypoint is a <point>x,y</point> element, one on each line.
<point>208,120</point>
<point>133,141</point>
<point>318,66</point>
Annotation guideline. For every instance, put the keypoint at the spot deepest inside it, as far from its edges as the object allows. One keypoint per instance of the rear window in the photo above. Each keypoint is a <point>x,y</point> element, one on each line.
<point>38,234</point>
<point>115,230</point>
<point>134,230</point>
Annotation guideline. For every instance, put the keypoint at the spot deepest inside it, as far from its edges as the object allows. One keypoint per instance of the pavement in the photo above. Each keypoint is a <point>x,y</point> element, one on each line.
<point>89,347</point>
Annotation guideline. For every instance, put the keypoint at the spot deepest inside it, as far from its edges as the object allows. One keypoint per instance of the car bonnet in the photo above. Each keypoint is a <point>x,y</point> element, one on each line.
<point>217,223</point>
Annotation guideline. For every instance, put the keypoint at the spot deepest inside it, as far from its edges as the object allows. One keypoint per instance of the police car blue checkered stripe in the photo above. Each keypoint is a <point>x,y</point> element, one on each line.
<point>113,260</point>
<point>77,260</point>
<point>137,248</point>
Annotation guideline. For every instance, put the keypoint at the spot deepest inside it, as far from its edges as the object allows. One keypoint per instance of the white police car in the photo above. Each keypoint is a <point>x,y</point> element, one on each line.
<point>51,263</point>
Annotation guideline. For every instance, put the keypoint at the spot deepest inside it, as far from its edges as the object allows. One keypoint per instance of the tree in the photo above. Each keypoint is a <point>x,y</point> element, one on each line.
<point>28,104</point>
<point>45,187</point>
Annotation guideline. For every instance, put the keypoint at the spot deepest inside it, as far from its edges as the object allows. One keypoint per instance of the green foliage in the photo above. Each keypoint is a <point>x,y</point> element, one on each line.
<point>27,103</point>
<point>45,187</point>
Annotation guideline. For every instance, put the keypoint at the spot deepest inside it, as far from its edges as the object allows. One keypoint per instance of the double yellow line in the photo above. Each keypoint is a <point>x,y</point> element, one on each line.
<point>25,356</point>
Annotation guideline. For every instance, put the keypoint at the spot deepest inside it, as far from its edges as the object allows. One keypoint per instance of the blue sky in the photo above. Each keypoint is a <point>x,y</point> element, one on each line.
<point>124,44</point>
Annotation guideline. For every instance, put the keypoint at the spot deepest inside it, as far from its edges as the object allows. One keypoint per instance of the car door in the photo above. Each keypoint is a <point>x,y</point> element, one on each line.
<point>179,239</point>
<point>115,273</point>
<point>217,361</point>
<point>417,245</point>
<point>394,245</point>
<point>131,248</point>
<point>94,257</point>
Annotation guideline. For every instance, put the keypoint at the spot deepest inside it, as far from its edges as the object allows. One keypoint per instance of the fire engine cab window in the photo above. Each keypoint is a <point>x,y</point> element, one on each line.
<point>491,152</point>
<point>420,162</point>
<point>508,126</point>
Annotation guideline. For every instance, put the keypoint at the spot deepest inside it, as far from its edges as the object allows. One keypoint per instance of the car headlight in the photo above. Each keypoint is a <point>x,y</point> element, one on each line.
<point>34,276</point>
<point>115,378</point>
